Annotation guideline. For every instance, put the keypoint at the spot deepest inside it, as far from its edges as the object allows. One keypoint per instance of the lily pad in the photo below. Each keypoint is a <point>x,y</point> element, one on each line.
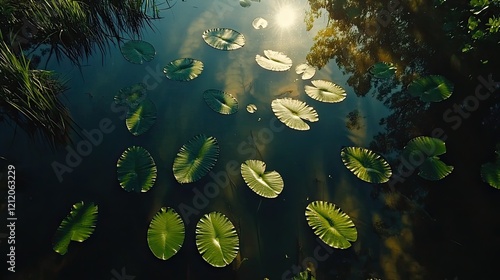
<point>433,88</point>
<point>382,70</point>
<point>293,112</point>
<point>166,233</point>
<point>131,96</point>
<point>331,224</point>
<point>221,102</point>
<point>268,184</point>
<point>141,118</point>
<point>77,226</point>
<point>195,159</point>
<point>490,172</point>
<point>251,108</point>
<point>136,170</point>
<point>422,152</point>
<point>306,70</point>
<point>217,239</point>
<point>137,51</point>
<point>225,39</point>
<point>274,61</point>
<point>245,3</point>
<point>366,164</point>
<point>325,91</point>
<point>183,69</point>
<point>259,23</point>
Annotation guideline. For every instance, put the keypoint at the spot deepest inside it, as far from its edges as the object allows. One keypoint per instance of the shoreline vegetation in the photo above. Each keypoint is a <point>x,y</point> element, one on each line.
<point>36,30</point>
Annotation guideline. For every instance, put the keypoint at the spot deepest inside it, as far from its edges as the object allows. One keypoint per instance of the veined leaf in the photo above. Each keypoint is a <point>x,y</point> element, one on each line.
<point>166,233</point>
<point>293,112</point>
<point>195,159</point>
<point>366,164</point>
<point>77,226</point>
<point>264,183</point>
<point>136,170</point>
<point>217,239</point>
<point>331,225</point>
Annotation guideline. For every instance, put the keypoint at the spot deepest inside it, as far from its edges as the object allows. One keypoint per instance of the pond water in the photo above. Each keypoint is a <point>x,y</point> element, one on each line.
<point>413,229</point>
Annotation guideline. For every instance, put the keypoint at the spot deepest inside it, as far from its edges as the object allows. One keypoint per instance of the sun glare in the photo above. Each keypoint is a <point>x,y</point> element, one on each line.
<point>285,17</point>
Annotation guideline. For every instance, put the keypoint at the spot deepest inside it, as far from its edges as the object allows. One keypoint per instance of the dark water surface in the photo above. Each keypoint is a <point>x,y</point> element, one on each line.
<point>416,229</point>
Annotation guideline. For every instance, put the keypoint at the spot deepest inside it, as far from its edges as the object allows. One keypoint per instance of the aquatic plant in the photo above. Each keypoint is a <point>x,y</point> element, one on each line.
<point>366,164</point>
<point>264,183</point>
<point>217,239</point>
<point>166,233</point>
<point>136,170</point>
<point>77,226</point>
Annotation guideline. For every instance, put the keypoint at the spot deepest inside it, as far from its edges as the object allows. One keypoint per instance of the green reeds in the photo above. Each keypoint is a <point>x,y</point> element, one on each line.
<point>28,97</point>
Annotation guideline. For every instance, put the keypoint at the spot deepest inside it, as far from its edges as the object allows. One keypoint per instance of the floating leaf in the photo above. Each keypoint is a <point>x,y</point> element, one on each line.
<point>245,3</point>
<point>137,51</point>
<point>224,39</point>
<point>293,112</point>
<point>251,108</point>
<point>366,164</point>
<point>330,224</point>
<point>183,69</point>
<point>382,70</point>
<point>264,183</point>
<point>259,23</point>
<point>131,96</point>
<point>136,170</point>
<point>490,172</point>
<point>195,159</point>
<point>306,70</point>
<point>217,239</point>
<point>325,91</point>
<point>220,101</point>
<point>166,233</point>
<point>274,61</point>
<point>422,152</point>
<point>77,226</point>
<point>431,88</point>
<point>141,118</point>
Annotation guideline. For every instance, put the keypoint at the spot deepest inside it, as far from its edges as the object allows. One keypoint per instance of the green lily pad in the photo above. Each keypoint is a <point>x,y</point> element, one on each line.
<point>331,225</point>
<point>274,61</point>
<point>183,69</point>
<point>131,96</point>
<point>141,118</point>
<point>77,226</point>
<point>195,159</point>
<point>325,91</point>
<point>220,102</point>
<point>166,233</point>
<point>382,70</point>
<point>422,152</point>
<point>490,171</point>
<point>268,184</point>
<point>137,51</point>
<point>225,39</point>
<point>293,112</point>
<point>217,239</point>
<point>136,170</point>
<point>366,164</point>
<point>431,88</point>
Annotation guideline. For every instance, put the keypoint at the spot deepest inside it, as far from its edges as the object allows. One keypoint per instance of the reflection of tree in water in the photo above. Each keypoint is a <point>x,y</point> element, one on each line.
<point>411,36</point>
<point>353,121</point>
